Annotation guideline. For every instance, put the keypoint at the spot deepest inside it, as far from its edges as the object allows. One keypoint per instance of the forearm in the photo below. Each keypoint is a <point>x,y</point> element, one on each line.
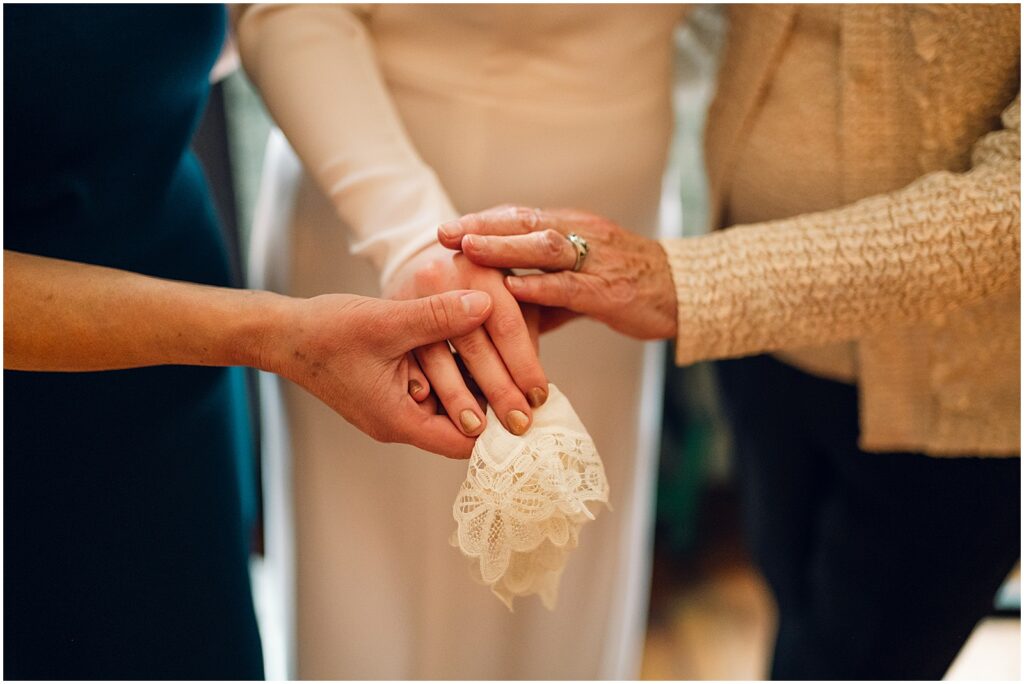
<point>847,273</point>
<point>67,316</point>
<point>316,69</point>
<point>944,241</point>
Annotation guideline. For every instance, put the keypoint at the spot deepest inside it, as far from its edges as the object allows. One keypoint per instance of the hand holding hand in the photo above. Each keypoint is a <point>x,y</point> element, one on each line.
<point>501,356</point>
<point>625,280</point>
<point>353,354</point>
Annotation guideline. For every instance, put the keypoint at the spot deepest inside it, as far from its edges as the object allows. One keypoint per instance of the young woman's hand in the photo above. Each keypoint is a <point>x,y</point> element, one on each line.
<point>501,356</point>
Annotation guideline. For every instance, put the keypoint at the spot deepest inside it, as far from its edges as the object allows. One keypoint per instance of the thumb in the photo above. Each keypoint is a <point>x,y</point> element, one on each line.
<point>440,317</point>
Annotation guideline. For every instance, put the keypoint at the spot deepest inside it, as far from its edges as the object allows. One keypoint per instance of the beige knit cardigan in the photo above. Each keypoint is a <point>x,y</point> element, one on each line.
<point>922,263</point>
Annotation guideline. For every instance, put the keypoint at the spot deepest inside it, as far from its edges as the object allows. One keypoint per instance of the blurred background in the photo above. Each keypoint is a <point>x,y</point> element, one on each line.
<point>710,615</point>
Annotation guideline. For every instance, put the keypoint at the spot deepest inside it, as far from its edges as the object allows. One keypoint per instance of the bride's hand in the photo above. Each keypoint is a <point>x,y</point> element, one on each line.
<point>624,281</point>
<point>353,354</point>
<point>501,356</point>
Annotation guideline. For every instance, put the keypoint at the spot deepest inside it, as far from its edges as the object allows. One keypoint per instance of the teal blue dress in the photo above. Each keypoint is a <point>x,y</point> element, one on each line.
<point>126,541</point>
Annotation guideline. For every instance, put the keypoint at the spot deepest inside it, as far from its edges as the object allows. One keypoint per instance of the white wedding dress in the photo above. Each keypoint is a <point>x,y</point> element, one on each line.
<point>538,105</point>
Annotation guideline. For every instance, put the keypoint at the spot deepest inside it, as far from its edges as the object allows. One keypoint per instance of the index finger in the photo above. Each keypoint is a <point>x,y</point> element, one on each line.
<point>496,221</point>
<point>509,332</point>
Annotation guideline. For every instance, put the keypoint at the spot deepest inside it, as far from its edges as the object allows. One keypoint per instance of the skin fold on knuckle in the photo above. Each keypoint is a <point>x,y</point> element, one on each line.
<point>449,396</point>
<point>474,223</point>
<point>606,233</point>
<point>552,247</point>
<point>620,291</point>
<point>507,396</point>
<point>471,346</point>
<point>570,287</point>
<point>527,217</point>
<point>507,325</point>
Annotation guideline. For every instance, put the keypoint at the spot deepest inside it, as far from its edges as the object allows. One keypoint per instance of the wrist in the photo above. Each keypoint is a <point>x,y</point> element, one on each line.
<point>666,301</point>
<point>265,322</point>
<point>399,262</point>
<point>399,285</point>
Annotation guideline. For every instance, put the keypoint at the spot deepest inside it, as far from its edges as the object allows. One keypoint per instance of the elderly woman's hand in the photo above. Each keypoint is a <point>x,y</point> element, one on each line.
<point>623,280</point>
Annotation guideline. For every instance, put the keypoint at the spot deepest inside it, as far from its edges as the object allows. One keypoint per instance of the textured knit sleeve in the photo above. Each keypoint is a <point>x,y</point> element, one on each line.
<point>317,72</point>
<point>943,241</point>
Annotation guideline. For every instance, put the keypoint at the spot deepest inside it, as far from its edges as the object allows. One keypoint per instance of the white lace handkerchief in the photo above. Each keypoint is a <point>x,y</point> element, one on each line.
<point>520,510</point>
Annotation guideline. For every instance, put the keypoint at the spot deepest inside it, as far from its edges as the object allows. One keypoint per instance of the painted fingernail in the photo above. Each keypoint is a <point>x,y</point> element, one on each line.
<point>450,230</point>
<point>537,396</point>
<point>415,387</point>
<point>475,303</point>
<point>517,422</point>
<point>470,421</point>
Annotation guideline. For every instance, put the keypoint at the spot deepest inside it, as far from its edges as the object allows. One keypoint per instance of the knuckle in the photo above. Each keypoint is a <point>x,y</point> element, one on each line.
<point>528,217</point>
<point>476,223</point>
<point>571,286</point>
<point>507,325</point>
<point>428,278</point>
<point>604,230</point>
<point>449,395</point>
<point>621,290</point>
<point>505,394</point>
<point>421,281</point>
<point>472,345</point>
<point>529,375</point>
<point>552,243</point>
<point>499,211</point>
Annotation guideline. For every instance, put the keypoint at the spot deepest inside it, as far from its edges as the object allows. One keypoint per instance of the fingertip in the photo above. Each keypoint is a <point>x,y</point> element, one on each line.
<point>471,423</point>
<point>475,303</point>
<point>517,422</point>
<point>418,391</point>
<point>537,396</point>
<point>449,234</point>
<point>546,289</point>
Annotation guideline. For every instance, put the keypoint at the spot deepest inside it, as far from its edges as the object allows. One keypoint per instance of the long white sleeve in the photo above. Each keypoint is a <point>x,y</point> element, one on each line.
<point>316,69</point>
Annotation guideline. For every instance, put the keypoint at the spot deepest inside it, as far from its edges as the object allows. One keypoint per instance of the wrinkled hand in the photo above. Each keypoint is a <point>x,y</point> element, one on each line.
<point>625,280</point>
<point>501,356</point>
<point>353,354</point>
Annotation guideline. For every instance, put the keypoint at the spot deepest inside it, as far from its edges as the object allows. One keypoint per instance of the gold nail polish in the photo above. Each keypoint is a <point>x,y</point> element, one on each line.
<point>470,421</point>
<point>537,396</point>
<point>517,422</point>
<point>415,387</point>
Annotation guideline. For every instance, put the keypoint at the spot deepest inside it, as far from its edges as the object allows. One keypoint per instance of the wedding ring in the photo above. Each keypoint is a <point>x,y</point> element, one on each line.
<point>582,249</point>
